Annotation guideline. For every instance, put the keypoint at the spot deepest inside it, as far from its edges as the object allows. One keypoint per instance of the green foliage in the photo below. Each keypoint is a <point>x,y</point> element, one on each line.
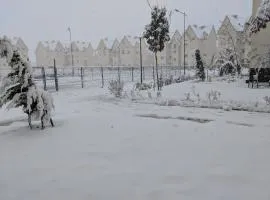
<point>199,65</point>
<point>157,32</point>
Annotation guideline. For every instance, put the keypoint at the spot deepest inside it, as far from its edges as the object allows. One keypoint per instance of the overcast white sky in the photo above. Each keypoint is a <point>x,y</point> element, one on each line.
<point>91,20</point>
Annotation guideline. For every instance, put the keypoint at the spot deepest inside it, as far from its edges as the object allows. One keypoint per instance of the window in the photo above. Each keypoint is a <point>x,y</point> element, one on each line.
<point>162,58</point>
<point>174,59</point>
<point>123,51</point>
<point>174,46</point>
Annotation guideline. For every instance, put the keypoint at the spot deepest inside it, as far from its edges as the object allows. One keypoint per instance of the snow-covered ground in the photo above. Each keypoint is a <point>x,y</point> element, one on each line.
<point>106,148</point>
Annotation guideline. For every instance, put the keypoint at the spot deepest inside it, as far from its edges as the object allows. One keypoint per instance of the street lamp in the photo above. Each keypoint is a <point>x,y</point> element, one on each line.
<point>184,14</point>
<point>71,53</point>
<point>140,38</point>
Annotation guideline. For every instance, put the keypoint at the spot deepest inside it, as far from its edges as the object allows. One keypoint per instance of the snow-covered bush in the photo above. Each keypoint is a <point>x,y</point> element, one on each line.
<point>182,78</point>
<point>149,94</point>
<point>192,96</point>
<point>213,96</point>
<point>267,100</point>
<point>159,94</point>
<point>227,68</point>
<point>168,81</point>
<point>187,95</point>
<point>116,88</point>
<point>136,95</point>
<point>143,86</point>
<point>18,88</point>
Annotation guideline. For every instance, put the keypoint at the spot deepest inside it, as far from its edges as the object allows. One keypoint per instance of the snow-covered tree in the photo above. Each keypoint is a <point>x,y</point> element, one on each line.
<point>157,33</point>
<point>18,88</point>
<point>227,62</point>
<point>235,44</point>
<point>200,73</point>
<point>262,17</point>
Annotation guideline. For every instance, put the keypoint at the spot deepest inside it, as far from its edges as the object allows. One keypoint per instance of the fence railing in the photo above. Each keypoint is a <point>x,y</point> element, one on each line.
<point>58,78</point>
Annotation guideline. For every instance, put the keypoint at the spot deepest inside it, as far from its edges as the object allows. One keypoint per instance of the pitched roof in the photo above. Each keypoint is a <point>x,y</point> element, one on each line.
<point>108,42</point>
<point>51,45</point>
<point>133,40</point>
<point>176,36</point>
<point>127,41</point>
<point>115,44</point>
<point>202,31</point>
<point>81,45</point>
<point>237,22</point>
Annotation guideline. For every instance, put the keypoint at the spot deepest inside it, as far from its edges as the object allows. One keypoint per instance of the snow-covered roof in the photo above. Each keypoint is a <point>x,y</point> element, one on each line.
<point>17,42</point>
<point>108,42</point>
<point>115,44</point>
<point>51,45</point>
<point>81,45</point>
<point>133,40</point>
<point>201,31</point>
<point>66,45</point>
<point>237,22</point>
<point>176,35</point>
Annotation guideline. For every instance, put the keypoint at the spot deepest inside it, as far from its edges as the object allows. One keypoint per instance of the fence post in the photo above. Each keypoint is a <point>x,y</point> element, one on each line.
<point>102,77</point>
<point>82,73</point>
<point>119,75</point>
<point>73,71</point>
<point>132,74</point>
<point>44,78</point>
<point>55,75</point>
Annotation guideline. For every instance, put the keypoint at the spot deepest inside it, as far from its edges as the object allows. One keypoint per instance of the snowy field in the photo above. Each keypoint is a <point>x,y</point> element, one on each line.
<point>134,148</point>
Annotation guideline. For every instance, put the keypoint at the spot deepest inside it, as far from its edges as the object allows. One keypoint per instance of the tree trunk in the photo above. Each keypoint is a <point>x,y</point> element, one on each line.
<point>154,79</point>
<point>158,82</point>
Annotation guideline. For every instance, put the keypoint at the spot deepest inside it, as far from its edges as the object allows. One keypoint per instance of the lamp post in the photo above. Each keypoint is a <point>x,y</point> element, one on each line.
<point>140,38</point>
<point>184,35</point>
<point>71,51</point>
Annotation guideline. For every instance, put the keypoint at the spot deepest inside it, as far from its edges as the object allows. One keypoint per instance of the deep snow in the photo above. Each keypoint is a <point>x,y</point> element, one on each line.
<point>104,148</point>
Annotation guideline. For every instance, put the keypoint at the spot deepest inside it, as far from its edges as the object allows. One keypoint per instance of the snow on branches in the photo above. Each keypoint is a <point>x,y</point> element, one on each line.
<point>18,88</point>
<point>157,34</point>
<point>262,17</point>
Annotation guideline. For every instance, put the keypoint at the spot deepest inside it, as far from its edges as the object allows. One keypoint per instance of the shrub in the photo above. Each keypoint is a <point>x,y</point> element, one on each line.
<point>168,81</point>
<point>213,96</point>
<point>116,88</point>
<point>267,100</point>
<point>143,86</point>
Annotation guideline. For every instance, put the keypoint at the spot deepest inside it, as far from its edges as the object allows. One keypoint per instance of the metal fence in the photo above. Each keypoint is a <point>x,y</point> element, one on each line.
<point>59,78</point>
